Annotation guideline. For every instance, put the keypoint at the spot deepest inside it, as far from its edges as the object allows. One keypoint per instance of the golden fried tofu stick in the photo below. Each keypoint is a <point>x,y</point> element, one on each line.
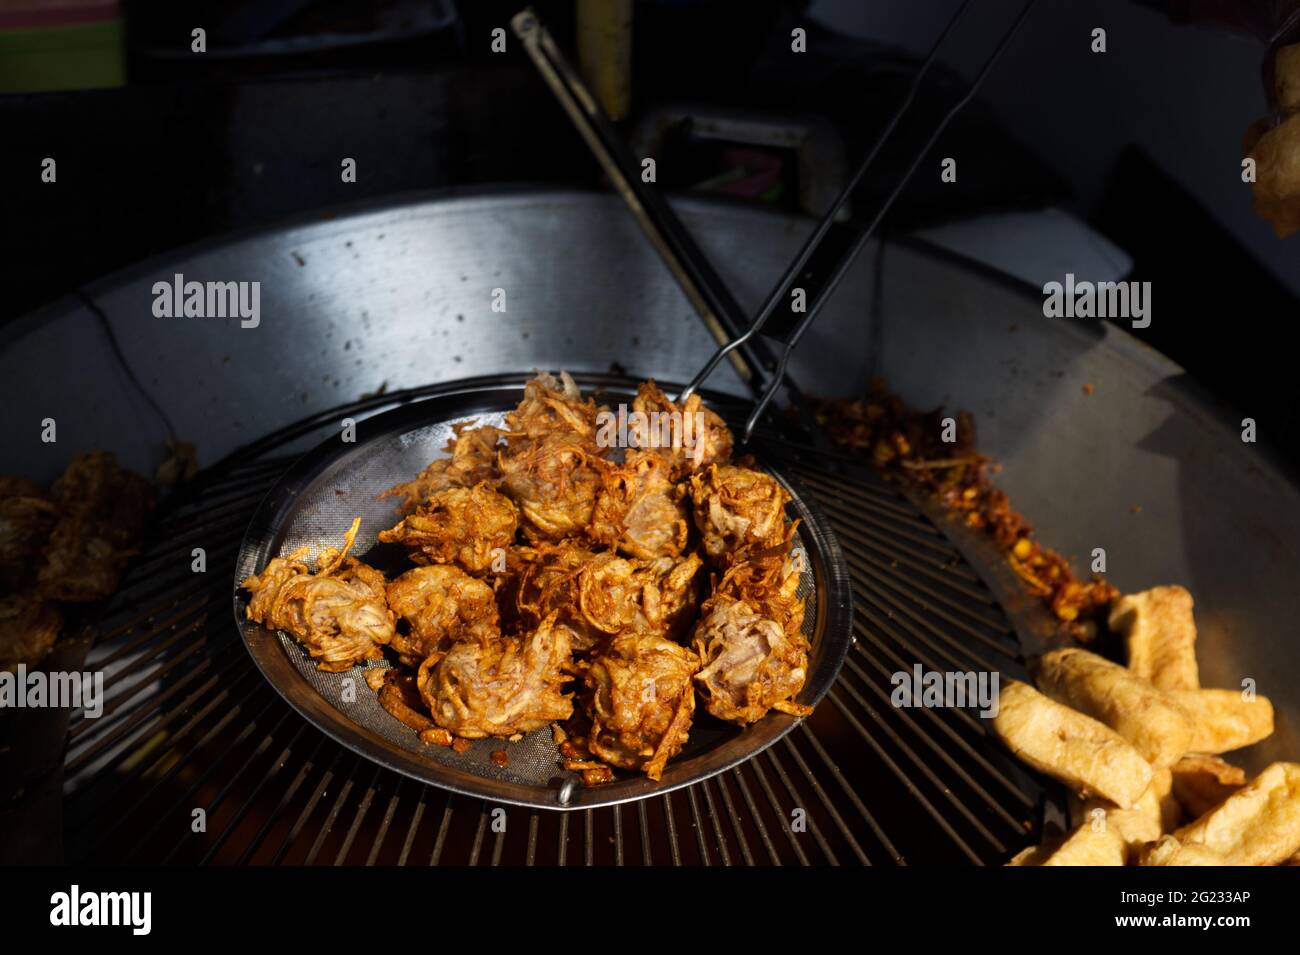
<point>1259,824</point>
<point>1071,747</point>
<point>1160,634</point>
<point>1201,782</point>
<point>1225,720</point>
<point>1168,851</point>
<point>1154,814</point>
<point>1149,718</point>
<point>1086,845</point>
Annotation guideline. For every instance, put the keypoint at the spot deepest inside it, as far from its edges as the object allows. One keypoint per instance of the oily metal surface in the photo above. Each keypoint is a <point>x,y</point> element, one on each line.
<point>315,503</point>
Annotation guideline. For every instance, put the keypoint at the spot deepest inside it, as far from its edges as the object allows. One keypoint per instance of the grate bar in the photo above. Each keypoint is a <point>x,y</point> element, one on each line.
<point>773,855</point>
<point>363,807</point>
<point>285,799</point>
<point>994,804</point>
<point>796,799</point>
<point>413,827</point>
<point>443,825</point>
<point>318,794</point>
<point>332,816</point>
<point>276,766</point>
<point>835,813</point>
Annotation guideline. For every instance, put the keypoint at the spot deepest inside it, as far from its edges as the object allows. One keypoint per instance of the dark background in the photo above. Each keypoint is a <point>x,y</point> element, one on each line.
<point>197,146</point>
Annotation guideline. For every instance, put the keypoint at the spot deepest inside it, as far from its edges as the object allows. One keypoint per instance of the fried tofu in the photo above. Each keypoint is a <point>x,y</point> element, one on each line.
<point>1154,814</point>
<point>1201,782</point>
<point>1225,720</point>
<point>1259,824</point>
<point>1160,635</point>
<point>1087,845</point>
<point>1069,746</point>
<point>1168,851</point>
<point>1147,717</point>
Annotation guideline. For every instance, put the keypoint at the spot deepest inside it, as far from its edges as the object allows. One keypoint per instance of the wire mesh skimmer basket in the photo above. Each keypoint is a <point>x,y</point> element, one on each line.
<point>314,503</point>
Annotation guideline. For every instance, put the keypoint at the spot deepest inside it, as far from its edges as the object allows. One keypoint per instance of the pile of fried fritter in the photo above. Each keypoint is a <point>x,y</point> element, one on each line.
<point>67,544</point>
<point>564,580</point>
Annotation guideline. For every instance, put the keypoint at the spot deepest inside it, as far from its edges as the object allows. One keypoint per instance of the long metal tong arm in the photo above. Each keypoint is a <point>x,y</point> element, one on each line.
<point>811,244</point>
<point>847,260</point>
<point>702,285</point>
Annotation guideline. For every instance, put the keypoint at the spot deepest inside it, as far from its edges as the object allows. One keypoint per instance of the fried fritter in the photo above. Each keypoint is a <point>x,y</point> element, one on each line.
<point>443,605</point>
<point>769,584</point>
<point>738,510</point>
<point>102,509</point>
<point>701,439</point>
<point>640,701</point>
<point>548,583</point>
<point>750,640</point>
<point>639,511</point>
<point>601,594</point>
<point>500,687</point>
<point>554,480</point>
<point>473,461</point>
<point>750,665</point>
<point>339,613</point>
<point>471,527</point>
<point>27,516</point>
<point>670,595</point>
<point>29,626</point>
<point>552,406</point>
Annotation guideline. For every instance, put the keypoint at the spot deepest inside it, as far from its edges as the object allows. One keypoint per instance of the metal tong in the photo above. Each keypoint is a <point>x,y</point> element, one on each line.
<point>684,258</point>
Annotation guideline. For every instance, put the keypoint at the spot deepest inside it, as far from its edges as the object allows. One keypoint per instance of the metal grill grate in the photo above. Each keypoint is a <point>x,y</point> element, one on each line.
<point>189,724</point>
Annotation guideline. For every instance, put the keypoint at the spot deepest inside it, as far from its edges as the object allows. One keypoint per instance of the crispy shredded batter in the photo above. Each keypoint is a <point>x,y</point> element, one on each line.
<point>339,613</point>
<point>551,571</point>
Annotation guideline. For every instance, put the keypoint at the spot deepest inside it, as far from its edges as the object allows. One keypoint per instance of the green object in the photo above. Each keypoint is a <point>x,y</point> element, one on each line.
<point>82,57</point>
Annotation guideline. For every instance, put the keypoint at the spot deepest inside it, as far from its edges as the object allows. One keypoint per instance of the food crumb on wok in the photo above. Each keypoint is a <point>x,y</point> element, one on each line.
<point>908,445</point>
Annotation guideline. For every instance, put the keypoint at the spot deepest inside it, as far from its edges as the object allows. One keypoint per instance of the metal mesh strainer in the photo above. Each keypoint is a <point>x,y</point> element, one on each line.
<point>318,498</point>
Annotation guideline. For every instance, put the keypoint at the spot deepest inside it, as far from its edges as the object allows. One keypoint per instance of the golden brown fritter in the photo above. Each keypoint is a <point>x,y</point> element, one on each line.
<point>442,604</point>
<point>738,511</point>
<point>552,406</point>
<point>601,594</point>
<point>701,439</point>
<point>639,511</point>
<point>670,595</point>
<point>640,701</point>
<point>554,480</point>
<point>339,613</point>
<point>548,583</point>
<point>471,527</point>
<point>27,516</point>
<point>502,687</point>
<point>551,465</point>
<point>473,461</point>
<point>29,626</point>
<point>102,509</point>
<point>769,584</point>
<point>751,642</point>
<point>750,664</point>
